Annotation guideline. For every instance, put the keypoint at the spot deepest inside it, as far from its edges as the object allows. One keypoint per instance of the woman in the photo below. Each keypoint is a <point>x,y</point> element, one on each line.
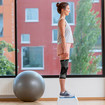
<point>64,40</point>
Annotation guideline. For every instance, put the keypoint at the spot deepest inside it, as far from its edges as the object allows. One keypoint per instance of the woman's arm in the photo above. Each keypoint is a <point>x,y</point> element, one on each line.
<point>62,32</point>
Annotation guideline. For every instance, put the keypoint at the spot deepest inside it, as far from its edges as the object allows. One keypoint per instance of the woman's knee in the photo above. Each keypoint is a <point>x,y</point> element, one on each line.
<point>64,68</point>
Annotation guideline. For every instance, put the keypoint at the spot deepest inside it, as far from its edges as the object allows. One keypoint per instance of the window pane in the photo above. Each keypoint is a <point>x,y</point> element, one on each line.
<point>71,51</point>
<point>1,2</point>
<point>32,57</point>
<point>31,14</point>
<point>100,62</point>
<point>25,38</point>
<point>55,15</point>
<point>1,25</point>
<point>54,34</point>
<point>98,45</point>
<point>87,36</point>
<point>7,38</point>
<point>70,17</point>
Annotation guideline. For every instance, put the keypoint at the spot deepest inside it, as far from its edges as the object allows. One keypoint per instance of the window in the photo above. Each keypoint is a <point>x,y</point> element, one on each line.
<point>54,36</point>
<point>7,39</point>
<point>99,65</point>
<point>1,25</point>
<point>31,15</point>
<point>1,2</point>
<point>37,45</point>
<point>71,49</point>
<point>25,38</point>
<point>55,15</point>
<point>95,1</point>
<point>98,45</point>
<point>32,58</point>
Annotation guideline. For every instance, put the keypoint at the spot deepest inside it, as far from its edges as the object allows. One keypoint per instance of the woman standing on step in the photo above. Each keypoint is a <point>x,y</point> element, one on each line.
<point>64,40</point>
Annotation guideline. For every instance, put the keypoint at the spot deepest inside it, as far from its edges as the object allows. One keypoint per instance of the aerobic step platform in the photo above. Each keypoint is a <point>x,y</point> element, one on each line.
<point>67,101</point>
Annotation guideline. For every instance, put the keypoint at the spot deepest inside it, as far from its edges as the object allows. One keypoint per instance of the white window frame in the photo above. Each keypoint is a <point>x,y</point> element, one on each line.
<point>25,42</point>
<point>95,1</point>
<point>53,36</point>
<point>31,20</point>
<point>68,23</point>
<point>31,68</point>
<point>95,51</point>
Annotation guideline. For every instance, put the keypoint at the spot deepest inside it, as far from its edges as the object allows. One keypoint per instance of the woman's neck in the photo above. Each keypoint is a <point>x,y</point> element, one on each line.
<point>62,16</point>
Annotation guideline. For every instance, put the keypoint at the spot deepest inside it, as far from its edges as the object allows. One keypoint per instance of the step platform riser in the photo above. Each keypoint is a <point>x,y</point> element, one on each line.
<point>67,101</point>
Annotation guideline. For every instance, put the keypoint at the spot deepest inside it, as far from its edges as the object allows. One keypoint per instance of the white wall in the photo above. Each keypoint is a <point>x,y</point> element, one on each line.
<point>81,87</point>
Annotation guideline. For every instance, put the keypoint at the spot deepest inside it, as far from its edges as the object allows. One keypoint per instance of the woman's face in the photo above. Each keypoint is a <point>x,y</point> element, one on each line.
<point>67,10</point>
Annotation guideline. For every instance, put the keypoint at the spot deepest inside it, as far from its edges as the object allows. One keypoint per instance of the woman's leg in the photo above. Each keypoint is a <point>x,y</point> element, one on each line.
<point>63,73</point>
<point>62,81</point>
<point>62,84</point>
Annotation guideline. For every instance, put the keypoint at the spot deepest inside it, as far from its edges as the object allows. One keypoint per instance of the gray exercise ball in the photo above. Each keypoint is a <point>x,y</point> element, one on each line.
<point>28,86</point>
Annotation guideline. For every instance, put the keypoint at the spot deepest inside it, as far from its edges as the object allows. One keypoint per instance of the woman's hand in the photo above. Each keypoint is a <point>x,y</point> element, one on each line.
<point>65,52</point>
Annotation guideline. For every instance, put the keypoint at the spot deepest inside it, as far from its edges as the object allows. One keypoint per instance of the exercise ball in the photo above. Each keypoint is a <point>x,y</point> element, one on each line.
<point>28,86</point>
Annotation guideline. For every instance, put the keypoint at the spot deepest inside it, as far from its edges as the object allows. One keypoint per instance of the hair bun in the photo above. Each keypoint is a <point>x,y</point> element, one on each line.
<point>57,4</point>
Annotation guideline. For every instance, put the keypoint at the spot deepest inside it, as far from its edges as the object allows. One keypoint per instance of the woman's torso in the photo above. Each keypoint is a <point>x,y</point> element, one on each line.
<point>68,34</point>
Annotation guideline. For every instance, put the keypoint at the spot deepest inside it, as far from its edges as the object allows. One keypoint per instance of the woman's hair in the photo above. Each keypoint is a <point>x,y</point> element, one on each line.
<point>60,6</point>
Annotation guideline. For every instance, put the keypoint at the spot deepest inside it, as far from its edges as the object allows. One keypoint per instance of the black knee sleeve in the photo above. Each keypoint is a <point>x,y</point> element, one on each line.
<point>64,68</point>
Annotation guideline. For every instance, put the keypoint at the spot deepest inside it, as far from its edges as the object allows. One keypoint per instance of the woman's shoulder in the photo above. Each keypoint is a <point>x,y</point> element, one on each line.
<point>62,19</point>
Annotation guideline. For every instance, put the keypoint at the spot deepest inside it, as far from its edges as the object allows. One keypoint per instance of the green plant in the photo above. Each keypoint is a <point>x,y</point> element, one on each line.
<point>6,67</point>
<point>86,34</point>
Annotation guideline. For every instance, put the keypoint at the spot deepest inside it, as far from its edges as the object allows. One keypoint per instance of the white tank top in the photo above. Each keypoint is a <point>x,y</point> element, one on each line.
<point>68,34</point>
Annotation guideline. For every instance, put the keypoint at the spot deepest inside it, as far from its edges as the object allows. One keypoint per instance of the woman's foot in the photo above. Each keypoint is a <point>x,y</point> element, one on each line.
<point>66,94</point>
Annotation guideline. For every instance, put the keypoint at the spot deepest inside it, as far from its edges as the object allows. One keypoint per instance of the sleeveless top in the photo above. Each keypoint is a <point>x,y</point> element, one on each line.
<point>68,34</point>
